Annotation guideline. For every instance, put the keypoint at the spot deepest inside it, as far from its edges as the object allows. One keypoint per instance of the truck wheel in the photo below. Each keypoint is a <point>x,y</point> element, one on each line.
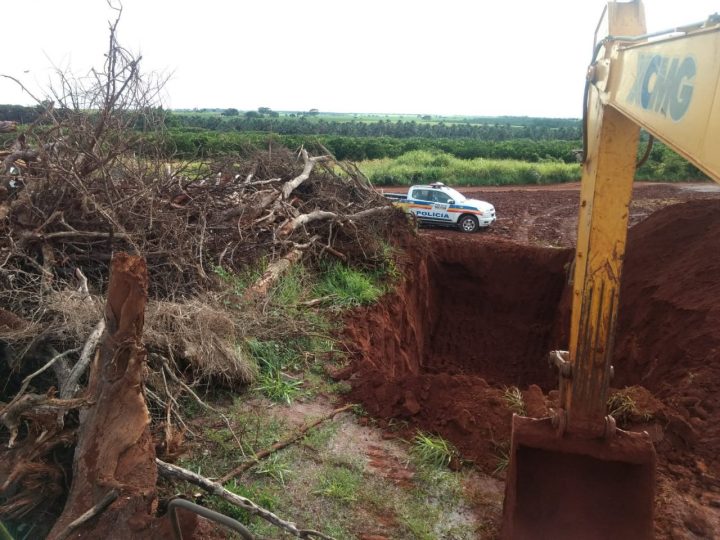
<point>468,224</point>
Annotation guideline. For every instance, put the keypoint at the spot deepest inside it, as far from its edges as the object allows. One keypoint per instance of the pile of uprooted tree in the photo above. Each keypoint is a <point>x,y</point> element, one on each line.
<point>111,302</point>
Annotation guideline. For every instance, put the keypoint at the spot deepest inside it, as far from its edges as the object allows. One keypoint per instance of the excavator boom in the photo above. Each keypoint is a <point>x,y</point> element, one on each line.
<point>575,475</point>
<point>671,88</point>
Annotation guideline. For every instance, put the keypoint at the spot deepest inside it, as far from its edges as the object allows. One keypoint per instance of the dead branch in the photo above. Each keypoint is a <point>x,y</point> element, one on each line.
<point>26,155</point>
<point>214,488</point>
<point>26,380</point>
<point>310,162</point>
<point>70,386</point>
<point>282,444</point>
<point>34,404</point>
<point>100,507</point>
<point>272,274</point>
<point>317,215</point>
<point>73,234</point>
<point>303,219</point>
<point>7,126</point>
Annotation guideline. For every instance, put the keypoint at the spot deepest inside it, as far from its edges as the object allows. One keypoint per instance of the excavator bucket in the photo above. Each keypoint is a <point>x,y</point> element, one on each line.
<point>567,488</point>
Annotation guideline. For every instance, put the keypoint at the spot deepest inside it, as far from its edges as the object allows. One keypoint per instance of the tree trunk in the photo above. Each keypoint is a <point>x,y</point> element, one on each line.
<point>115,450</point>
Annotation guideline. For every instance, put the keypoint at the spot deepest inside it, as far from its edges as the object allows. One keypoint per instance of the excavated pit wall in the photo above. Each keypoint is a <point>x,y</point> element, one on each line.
<point>469,306</point>
<point>473,314</point>
<point>478,313</point>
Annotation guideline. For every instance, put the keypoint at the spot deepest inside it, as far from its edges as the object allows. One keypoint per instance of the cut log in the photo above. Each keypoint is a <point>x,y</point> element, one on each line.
<point>272,274</point>
<point>115,449</point>
<point>7,126</point>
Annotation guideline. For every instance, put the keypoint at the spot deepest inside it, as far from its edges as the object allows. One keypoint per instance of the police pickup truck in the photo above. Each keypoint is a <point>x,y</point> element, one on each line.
<point>440,205</point>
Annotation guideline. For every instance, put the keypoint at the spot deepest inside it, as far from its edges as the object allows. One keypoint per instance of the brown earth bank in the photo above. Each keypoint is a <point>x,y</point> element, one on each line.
<point>477,314</point>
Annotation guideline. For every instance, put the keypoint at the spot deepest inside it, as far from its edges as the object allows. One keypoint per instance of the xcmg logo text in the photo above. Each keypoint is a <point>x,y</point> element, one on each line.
<point>664,85</point>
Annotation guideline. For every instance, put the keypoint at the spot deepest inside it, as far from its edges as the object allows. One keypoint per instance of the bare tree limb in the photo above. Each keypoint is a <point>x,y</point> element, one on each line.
<point>97,509</point>
<point>317,215</point>
<point>178,473</point>
<point>26,155</point>
<point>26,380</point>
<point>29,403</point>
<point>7,126</point>
<point>272,274</point>
<point>70,387</point>
<point>282,444</point>
<point>310,162</point>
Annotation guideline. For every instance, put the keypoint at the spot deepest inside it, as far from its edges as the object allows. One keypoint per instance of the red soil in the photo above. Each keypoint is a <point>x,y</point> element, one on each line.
<point>473,315</point>
<point>477,313</point>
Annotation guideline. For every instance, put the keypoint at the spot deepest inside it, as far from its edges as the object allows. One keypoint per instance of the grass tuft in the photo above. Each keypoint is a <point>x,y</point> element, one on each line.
<point>432,451</point>
<point>279,387</point>
<point>347,287</point>
<point>275,467</point>
<point>503,460</point>
<point>514,399</point>
<point>339,483</point>
<point>623,408</point>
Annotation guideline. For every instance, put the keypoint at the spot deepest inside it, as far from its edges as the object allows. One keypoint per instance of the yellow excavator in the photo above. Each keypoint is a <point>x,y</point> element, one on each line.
<point>575,475</point>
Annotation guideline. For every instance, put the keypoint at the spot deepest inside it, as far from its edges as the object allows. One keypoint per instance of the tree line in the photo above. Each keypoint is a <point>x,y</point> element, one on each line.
<point>534,140</point>
<point>497,130</point>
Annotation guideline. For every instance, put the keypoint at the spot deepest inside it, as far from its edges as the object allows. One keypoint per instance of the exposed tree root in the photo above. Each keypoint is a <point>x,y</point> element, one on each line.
<point>115,449</point>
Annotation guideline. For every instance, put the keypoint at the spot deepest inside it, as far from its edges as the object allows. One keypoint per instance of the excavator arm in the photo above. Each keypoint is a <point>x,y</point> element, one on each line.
<point>575,475</point>
<point>669,87</point>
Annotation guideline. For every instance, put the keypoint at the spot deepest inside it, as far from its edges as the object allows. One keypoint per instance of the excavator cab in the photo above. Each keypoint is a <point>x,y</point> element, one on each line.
<point>575,475</point>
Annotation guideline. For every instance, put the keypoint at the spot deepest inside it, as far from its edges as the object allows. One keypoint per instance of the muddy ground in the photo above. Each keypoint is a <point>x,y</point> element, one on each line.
<point>477,315</point>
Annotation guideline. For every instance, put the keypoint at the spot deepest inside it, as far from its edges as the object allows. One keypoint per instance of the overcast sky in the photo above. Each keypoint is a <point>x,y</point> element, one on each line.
<point>470,57</point>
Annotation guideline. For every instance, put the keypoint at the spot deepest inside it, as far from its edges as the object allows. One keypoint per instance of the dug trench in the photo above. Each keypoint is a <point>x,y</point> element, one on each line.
<point>474,316</point>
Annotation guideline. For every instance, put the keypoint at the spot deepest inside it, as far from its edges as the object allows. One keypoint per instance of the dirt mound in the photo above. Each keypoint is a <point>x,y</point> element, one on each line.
<point>670,297</point>
<point>668,341</point>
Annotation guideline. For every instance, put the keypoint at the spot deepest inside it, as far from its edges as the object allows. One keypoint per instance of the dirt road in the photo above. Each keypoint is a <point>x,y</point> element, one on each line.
<point>547,215</point>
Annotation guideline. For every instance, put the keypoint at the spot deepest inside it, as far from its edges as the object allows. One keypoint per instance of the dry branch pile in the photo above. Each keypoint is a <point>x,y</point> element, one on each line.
<point>85,182</point>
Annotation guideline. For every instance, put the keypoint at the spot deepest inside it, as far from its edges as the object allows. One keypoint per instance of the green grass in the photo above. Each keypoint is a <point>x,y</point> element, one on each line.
<point>259,494</point>
<point>273,358</point>
<point>275,467</point>
<point>239,282</point>
<point>347,287</point>
<point>4,533</point>
<point>502,459</point>
<point>433,451</point>
<point>279,387</point>
<point>339,483</point>
<point>422,166</point>
<point>302,336</point>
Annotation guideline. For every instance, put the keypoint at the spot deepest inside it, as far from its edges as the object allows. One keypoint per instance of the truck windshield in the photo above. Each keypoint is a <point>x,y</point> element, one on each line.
<point>459,197</point>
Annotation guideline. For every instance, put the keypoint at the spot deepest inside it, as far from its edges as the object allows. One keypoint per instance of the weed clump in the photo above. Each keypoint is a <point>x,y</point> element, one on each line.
<point>514,399</point>
<point>433,451</point>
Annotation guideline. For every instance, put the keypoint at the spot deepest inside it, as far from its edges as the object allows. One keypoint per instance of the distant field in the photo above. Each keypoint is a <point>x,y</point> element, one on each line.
<point>394,149</point>
<point>511,121</point>
<point>421,167</point>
